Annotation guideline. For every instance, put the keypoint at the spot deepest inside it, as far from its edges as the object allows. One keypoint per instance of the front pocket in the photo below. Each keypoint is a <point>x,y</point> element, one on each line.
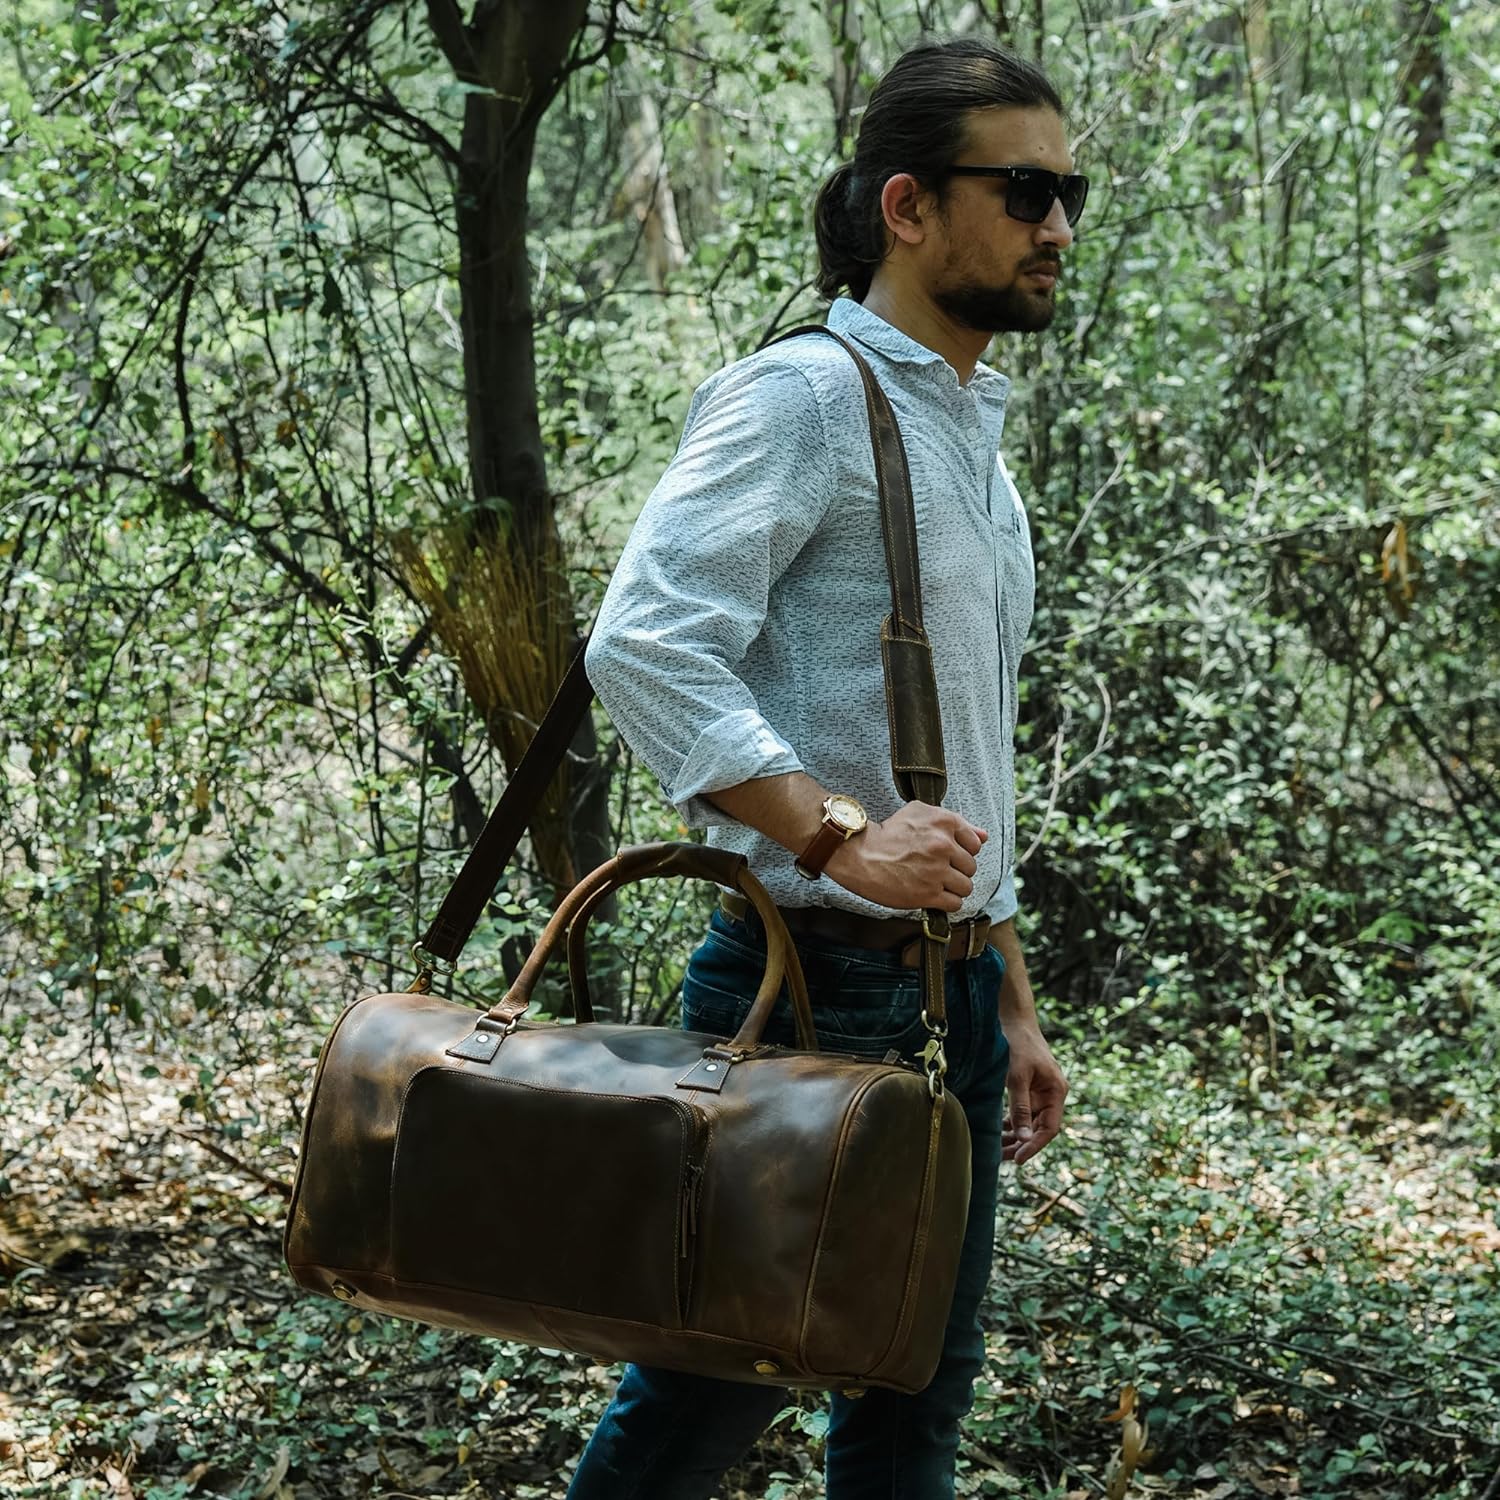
<point>872,1046</point>
<point>583,1202</point>
<point>707,1008</point>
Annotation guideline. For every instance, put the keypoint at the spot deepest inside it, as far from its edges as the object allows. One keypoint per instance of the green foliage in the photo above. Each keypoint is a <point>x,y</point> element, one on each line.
<point>1261,1273</point>
<point>1260,752</point>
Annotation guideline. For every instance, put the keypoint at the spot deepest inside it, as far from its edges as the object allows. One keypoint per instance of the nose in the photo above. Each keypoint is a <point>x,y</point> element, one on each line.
<point>1055,229</point>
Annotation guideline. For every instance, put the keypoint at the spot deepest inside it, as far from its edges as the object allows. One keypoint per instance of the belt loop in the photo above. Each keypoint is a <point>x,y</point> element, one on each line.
<point>977,936</point>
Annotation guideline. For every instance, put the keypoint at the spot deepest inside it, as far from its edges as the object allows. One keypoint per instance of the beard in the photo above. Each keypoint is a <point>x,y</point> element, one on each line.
<point>991,309</point>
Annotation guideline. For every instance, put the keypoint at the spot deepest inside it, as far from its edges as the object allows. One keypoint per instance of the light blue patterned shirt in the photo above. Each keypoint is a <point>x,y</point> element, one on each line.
<point>740,634</point>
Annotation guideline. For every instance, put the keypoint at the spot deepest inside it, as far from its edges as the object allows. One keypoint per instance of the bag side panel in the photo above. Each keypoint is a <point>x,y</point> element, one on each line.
<point>769,1163</point>
<point>293,1232</point>
<point>340,1214</point>
<point>914,1355</point>
<point>858,1283</point>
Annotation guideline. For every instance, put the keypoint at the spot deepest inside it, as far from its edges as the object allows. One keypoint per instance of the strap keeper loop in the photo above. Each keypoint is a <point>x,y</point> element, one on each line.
<point>945,926</point>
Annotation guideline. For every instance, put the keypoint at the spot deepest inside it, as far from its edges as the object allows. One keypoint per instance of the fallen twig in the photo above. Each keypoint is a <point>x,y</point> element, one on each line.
<point>248,1168</point>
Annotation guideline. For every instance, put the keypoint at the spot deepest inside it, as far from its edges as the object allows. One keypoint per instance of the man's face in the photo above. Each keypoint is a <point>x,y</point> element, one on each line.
<point>986,270</point>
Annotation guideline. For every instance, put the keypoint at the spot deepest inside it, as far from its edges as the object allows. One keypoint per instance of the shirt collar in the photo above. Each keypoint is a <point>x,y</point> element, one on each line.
<point>849,317</point>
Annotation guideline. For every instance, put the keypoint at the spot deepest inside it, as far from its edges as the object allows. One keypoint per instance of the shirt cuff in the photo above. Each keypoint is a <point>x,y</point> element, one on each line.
<point>741,746</point>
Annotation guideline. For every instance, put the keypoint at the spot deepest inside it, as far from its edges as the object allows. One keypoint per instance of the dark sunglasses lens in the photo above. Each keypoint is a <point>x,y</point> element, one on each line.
<point>1073,192</point>
<point>1029,199</point>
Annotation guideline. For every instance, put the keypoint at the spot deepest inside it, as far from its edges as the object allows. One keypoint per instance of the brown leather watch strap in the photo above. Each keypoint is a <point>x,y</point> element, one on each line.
<point>809,864</point>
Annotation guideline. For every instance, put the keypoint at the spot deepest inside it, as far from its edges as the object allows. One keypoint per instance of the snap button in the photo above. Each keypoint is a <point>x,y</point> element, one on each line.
<point>767,1367</point>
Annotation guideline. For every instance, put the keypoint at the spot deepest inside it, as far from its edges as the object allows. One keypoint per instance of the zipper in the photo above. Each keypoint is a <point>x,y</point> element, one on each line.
<point>692,1178</point>
<point>687,1207</point>
<point>689,1216</point>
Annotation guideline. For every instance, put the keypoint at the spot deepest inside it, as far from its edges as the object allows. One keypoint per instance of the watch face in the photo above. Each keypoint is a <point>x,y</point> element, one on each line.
<point>847,813</point>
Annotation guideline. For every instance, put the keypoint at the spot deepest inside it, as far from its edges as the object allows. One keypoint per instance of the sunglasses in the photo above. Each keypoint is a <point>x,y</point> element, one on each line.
<point>1032,189</point>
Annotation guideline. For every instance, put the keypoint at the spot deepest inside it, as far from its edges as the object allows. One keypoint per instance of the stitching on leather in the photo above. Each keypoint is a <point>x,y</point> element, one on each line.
<point>906,520</point>
<point>307,1124</point>
<point>918,1257</point>
<point>846,1126</point>
<point>684,1125</point>
<point>709,1119</point>
<point>890,708</point>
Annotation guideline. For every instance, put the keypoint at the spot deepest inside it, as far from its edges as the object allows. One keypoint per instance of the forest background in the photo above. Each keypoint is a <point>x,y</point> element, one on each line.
<point>339,345</point>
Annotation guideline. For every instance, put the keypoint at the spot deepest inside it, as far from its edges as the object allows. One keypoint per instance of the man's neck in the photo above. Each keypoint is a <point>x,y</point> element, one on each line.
<point>928,325</point>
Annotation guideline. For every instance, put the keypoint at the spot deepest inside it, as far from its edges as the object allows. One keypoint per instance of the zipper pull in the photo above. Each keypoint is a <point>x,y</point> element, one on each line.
<point>689,1218</point>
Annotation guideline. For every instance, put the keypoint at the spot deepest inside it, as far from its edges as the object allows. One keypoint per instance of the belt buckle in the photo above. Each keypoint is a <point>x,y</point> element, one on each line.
<point>975,945</point>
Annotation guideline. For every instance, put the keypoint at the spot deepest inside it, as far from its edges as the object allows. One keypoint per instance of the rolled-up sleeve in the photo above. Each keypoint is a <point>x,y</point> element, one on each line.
<point>748,486</point>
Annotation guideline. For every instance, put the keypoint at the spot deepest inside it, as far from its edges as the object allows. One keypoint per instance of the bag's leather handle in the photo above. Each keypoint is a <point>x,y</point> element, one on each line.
<point>645,862</point>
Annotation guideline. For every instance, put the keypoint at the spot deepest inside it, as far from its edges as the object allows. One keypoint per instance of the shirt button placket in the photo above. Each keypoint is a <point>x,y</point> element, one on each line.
<point>997,522</point>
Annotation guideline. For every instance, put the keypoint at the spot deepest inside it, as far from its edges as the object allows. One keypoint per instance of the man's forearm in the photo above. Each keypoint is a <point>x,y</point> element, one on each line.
<point>921,856</point>
<point>788,809</point>
<point>1017,1007</point>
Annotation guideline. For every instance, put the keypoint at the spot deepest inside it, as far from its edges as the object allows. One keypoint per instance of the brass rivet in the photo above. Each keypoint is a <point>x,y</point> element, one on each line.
<point>767,1367</point>
<point>344,1290</point>
<point>854,1392</point>
<point>713,1067</point>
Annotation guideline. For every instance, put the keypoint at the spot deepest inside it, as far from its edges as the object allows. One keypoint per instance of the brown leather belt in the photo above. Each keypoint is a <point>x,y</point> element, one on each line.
<point>857,931</point>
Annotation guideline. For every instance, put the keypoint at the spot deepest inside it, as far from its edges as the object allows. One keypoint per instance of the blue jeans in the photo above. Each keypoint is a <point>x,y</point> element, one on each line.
<point>671,1436</point>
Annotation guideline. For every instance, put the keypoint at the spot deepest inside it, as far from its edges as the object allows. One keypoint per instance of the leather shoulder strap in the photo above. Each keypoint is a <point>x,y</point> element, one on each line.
<point>898,519</point>
<point>911,705</point>
<point>481,872</point>
<point>916,725</point>
<point>911,699</point>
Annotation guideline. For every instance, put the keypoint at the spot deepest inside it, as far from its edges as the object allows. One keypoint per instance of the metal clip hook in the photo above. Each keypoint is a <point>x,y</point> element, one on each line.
<point>428,965</point>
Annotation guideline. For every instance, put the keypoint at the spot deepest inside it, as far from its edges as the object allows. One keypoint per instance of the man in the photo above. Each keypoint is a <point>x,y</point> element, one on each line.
<point>737,650</point>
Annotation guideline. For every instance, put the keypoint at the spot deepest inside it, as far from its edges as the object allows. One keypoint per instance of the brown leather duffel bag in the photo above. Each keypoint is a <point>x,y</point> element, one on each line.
<point>760,1213</point>
<point>779,1215</point>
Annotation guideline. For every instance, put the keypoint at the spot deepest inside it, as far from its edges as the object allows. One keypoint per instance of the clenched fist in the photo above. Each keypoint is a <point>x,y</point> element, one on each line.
<point>920,856</point>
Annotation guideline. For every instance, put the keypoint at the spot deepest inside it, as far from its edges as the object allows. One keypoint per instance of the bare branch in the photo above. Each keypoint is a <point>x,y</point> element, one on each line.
<point>452,35</point>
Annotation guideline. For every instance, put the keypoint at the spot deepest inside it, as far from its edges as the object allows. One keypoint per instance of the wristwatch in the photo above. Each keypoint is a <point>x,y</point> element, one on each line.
<point>843,817</point>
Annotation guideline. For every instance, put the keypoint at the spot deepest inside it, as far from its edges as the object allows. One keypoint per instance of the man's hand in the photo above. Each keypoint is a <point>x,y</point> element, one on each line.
<point>920,856</point>
<point>1037,1089</point>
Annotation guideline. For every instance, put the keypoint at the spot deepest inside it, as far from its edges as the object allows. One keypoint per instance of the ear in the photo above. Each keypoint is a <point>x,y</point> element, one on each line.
<point>908,208</point>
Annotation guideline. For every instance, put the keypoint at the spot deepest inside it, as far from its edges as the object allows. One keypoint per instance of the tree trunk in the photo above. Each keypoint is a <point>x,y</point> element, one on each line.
<point>1425,24</point>
<point>513,55</point>
<point>847,34</point>
<point>648,191</point>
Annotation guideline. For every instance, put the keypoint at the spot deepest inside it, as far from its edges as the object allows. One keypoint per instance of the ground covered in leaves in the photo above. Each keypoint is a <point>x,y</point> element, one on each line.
<point>1207,1292</point>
